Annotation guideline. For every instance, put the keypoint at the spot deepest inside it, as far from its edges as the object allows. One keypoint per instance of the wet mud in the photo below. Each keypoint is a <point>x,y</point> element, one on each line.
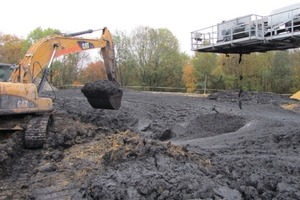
<point>160,146</point>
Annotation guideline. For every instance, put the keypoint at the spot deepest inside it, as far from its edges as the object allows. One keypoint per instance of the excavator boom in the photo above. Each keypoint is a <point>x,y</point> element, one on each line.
<point>39,54</point>
<point>39,58</point>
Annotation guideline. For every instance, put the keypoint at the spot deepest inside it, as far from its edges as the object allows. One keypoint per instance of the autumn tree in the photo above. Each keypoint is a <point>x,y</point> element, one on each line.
<point>10,49</point>
<point>92,72</point>
<point>67,68</point>
<point>189,78</point>
<point>174,75</point>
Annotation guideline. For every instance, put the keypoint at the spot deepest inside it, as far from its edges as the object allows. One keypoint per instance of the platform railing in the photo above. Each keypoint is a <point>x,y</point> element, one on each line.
<point>286,22</point>
<point>204,37</point>
<point>228,31</point>
<point>249,27</point>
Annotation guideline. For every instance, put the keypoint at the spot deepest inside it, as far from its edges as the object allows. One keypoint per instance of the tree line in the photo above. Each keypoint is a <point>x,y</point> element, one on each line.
<point>274,71</point>
<point>151,58</point>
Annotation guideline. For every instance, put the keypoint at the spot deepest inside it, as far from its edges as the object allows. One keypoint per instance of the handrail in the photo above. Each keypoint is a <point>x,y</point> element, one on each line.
<point>246,28</point>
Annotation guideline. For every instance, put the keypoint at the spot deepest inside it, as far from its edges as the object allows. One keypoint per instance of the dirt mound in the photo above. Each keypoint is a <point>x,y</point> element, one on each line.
<point>129,145</point>
<point>136,168</point>
<point>65,132</point>
<point>9,150</point>
<point>89,154</point>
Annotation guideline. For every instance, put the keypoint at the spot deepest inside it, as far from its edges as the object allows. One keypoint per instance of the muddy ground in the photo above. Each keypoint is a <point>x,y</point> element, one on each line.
<point>161,146</point>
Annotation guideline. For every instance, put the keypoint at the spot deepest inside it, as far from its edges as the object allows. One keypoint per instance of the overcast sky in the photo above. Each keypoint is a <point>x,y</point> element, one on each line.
<point>20,17</point>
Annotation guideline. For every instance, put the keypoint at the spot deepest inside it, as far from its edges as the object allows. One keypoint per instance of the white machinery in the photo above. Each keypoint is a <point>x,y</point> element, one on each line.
<point>251,33</point>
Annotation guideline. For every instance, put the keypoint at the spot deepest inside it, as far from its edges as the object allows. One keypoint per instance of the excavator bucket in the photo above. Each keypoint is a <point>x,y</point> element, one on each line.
<point>103,94</point>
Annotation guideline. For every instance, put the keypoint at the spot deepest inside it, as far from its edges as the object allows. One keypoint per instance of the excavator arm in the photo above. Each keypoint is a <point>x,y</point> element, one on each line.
<point>44,51</point>
<point>20,94</point>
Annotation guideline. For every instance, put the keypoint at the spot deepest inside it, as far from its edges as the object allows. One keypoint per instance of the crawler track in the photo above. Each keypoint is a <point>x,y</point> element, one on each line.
<point>35,134</point>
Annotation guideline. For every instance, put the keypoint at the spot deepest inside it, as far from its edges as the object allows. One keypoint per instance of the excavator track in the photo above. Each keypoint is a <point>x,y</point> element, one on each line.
<point>36,131</point>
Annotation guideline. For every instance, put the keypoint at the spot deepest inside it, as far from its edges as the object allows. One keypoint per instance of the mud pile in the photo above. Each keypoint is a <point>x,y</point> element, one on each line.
<point>10,149</point>
<point>103,94</point>
<point>160,146</point>
<point>136,168</point>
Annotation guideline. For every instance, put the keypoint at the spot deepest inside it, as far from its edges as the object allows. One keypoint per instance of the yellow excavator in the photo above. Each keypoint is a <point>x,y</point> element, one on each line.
<point>21,107</point>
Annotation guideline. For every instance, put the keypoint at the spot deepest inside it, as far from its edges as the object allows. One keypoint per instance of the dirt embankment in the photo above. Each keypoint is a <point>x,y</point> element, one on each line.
<point>160,146</point>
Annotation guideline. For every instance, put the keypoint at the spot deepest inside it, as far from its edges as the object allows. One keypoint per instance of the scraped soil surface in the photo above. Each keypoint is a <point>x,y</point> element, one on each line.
<point>160,146</point>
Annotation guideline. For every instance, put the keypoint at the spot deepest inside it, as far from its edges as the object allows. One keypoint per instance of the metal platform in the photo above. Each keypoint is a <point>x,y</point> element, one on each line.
<point>251,33</point>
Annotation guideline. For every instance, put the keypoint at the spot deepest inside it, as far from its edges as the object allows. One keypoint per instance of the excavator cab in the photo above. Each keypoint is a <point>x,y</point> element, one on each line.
<point>5,71</point>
